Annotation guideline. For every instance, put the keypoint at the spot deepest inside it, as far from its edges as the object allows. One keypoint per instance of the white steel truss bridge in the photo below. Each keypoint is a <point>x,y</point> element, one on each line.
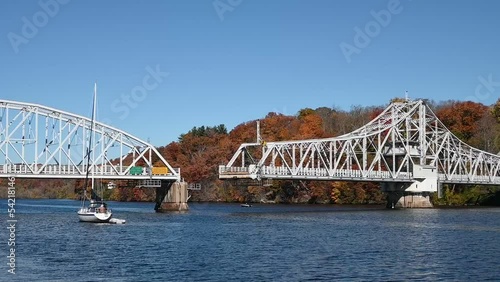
<point>41,142</point>
<point>406,144</point>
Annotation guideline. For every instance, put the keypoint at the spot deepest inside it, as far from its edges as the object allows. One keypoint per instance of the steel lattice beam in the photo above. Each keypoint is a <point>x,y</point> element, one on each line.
<point>405,137</point>
<point>42,142</point>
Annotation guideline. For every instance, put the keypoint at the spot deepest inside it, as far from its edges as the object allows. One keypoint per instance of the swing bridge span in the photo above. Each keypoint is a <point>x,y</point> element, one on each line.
<point>406,148</point>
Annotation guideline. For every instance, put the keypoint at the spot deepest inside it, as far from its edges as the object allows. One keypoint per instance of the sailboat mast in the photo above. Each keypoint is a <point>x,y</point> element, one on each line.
<point>89,146</point>
<point>94,104</point>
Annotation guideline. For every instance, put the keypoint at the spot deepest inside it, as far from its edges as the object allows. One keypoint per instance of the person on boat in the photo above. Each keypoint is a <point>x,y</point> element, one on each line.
<point>102,208</point>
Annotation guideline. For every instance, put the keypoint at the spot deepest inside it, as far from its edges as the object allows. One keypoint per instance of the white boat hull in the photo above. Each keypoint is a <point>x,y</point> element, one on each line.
<point>96,217</point>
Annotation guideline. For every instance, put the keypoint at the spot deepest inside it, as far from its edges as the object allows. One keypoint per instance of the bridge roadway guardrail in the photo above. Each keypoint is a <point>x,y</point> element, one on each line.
<point>466,179</point>
<point>324,174</point>
<point>77,171</point>
<point>320,173</point>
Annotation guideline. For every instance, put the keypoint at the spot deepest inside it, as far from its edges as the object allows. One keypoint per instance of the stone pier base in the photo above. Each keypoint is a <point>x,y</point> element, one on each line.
<point>408,200</point>
<point>165,207</point>
<point>409,195</point>
<point>175,199</point>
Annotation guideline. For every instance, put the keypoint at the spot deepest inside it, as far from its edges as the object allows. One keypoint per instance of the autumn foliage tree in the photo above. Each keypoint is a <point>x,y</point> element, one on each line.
<point>310,125</point>
<point>199,152</point>
<point>462,118</point>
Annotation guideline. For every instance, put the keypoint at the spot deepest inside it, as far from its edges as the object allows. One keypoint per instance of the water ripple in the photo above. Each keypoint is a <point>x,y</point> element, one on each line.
<point>219,242</point>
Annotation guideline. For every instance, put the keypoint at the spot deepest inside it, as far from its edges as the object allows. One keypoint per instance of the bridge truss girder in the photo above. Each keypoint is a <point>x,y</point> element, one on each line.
<point>42,142</point>
<point>405,143</point>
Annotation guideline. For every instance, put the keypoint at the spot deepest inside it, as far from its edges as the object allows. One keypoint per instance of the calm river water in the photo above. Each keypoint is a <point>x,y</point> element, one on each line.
<point>226,242</point>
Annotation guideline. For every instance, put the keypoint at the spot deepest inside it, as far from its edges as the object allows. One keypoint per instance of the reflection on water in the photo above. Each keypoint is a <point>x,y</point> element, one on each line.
<point>221,242</point>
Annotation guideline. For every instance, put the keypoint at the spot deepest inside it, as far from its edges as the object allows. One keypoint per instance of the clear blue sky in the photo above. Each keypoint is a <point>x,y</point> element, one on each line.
<point>235,65</point>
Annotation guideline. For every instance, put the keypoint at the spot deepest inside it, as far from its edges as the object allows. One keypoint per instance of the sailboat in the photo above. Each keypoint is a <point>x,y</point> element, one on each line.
<point>97,210</point>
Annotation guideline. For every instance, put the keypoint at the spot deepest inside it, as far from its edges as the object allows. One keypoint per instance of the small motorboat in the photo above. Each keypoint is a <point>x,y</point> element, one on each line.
<point>246,205</point>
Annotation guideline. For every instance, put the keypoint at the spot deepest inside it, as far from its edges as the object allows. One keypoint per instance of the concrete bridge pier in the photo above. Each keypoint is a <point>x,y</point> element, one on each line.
<point>399,195</point>
<point>415,194</point>
<point>172,196</point>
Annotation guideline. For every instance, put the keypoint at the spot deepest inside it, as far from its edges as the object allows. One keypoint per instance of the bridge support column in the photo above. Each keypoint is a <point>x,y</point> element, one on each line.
<point>408,200</point>
<point>172,196</point>
<point>414,194</point>
<point>400,195</point>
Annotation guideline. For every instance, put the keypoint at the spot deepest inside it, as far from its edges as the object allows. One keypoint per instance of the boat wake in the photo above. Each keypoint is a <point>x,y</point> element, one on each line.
<point>117,221</point>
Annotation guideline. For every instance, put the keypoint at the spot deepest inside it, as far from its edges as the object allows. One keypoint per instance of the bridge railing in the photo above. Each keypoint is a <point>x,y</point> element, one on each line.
<point>233,169</point>
<point>333,173</point>
<point>342,174</point>
<point>78,171</point>
<point>310,173</point>
<point>466,179</point>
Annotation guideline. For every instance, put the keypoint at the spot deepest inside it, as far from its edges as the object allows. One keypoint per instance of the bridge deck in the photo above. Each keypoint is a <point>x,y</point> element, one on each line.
<point>267,172</point>
<point>66,171</point>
